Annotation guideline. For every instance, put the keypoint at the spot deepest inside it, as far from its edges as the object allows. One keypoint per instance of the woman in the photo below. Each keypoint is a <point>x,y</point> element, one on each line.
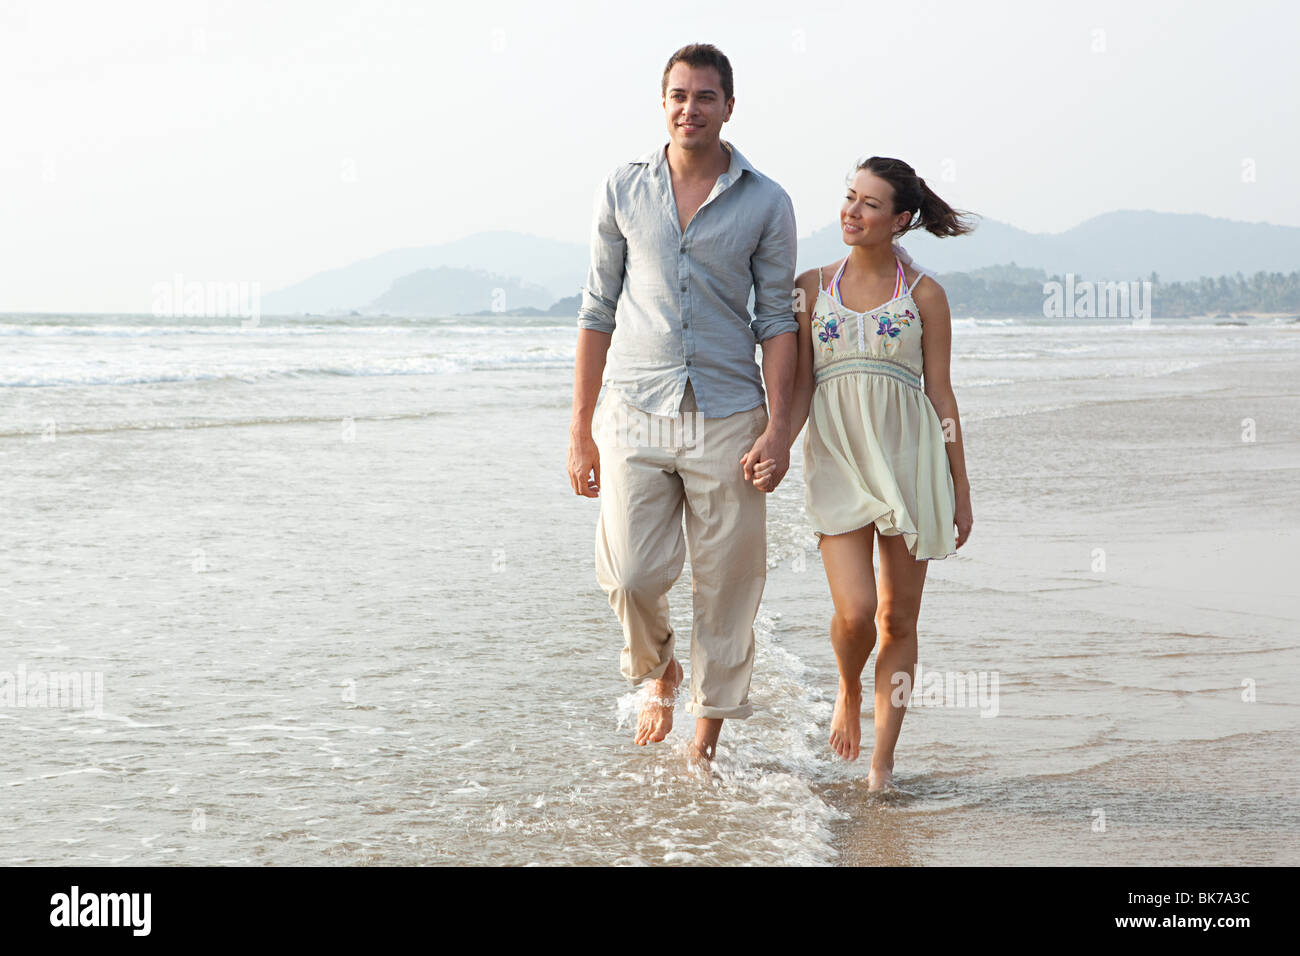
<point>882,455</point>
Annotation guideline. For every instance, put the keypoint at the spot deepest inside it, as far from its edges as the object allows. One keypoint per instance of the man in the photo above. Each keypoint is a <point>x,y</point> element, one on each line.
<point>681,236</point>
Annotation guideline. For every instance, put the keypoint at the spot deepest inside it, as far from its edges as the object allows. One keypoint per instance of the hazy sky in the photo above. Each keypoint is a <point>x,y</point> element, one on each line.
<point>267,141</point>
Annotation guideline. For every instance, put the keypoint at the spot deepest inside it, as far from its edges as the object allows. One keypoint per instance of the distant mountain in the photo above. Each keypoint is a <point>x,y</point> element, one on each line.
<point>536,272</point>
<point>445,291</point>
<point>1114,245</point>
<point>557,267</point>
<point>567,308</point>
<point>1012,274</point>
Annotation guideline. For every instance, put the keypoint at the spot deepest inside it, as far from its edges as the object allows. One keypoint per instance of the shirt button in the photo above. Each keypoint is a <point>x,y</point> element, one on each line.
<point>685,324</point>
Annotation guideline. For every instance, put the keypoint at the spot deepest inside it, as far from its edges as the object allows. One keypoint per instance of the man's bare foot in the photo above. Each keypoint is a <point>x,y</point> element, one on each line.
<point>656,718</point>
<point>705,744</point>
<point>880,778</point>
<point>846,721</point>
<point>701,753</point>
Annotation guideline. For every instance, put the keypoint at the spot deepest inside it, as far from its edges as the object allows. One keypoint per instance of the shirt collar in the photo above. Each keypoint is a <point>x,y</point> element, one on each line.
<point>657,160</point>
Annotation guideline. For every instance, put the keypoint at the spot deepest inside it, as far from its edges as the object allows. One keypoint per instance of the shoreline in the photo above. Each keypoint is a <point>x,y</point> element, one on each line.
<point>1147,655</point>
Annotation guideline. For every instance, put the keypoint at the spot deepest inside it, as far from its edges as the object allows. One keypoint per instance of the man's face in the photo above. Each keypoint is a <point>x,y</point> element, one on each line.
<point>694,106</point>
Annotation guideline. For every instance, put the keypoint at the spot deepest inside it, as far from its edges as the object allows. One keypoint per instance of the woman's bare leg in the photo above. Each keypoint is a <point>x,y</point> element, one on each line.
<point>902,579</point>
<point>847,559</point>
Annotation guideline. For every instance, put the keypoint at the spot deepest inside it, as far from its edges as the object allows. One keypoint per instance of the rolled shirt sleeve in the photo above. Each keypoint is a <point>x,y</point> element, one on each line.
<point>772,265</point>
<point>605,273</point>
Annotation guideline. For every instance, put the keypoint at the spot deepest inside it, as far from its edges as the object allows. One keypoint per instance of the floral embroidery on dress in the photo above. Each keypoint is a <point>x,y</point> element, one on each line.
<point>828,329</point>
<point>891,324</point>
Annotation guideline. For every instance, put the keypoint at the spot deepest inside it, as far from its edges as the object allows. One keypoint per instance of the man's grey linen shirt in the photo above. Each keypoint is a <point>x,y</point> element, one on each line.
<point>677,303</point>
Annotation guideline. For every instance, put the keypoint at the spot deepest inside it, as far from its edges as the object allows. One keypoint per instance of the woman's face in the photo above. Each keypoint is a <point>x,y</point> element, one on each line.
<point>867,216</point>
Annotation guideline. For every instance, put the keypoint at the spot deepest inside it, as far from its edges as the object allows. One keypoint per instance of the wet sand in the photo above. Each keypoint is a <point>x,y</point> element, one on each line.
<point>1126,733</point>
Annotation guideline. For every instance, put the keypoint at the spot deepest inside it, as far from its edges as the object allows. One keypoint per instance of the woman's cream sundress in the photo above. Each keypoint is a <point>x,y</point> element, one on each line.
<point>874,449</point>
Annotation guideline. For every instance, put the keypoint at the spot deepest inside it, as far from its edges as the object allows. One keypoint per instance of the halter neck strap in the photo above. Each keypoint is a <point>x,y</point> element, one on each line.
<point>900,282</point>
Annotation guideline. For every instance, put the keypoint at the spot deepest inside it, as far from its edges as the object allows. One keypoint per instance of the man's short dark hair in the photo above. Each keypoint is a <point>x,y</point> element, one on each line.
<point>698,55</point>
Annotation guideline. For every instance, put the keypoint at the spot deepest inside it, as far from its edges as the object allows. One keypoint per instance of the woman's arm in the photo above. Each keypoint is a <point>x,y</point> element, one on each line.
<point>936,346</point>
<point>801,402</point>
<point>801,394</point>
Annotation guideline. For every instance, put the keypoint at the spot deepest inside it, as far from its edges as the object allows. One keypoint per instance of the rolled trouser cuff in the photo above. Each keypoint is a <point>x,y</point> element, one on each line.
<point>719,713</point>
<point>655,674</point>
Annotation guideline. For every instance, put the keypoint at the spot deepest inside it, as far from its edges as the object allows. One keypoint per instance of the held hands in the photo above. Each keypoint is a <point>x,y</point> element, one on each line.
<point>766,463</point>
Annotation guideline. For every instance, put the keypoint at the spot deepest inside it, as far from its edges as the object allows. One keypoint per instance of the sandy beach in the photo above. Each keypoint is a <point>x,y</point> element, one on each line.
<point>1129,681</point>
<point>344,608</point>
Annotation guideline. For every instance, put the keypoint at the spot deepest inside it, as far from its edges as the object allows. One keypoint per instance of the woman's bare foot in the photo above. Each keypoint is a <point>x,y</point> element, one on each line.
<point>880,778</point>
<point>846,722</point>
<point>656,718</point>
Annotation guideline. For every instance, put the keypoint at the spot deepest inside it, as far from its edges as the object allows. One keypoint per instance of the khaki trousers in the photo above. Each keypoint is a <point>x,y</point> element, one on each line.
<point>652,470</point>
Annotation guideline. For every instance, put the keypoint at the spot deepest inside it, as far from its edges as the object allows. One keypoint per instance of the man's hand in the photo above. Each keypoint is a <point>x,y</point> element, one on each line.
<point>584,463</point>
<point>767,462</point>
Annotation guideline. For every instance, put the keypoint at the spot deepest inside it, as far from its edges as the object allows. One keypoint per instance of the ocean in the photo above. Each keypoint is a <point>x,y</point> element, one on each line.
<point>328,598</point>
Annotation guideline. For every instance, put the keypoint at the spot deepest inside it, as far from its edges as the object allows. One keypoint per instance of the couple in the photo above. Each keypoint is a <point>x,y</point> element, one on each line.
<point>681,236</point>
